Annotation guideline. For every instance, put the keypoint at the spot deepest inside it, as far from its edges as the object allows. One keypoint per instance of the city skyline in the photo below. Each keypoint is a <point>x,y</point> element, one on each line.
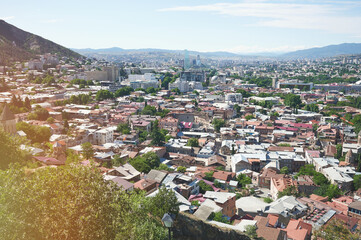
<point>233,26</point>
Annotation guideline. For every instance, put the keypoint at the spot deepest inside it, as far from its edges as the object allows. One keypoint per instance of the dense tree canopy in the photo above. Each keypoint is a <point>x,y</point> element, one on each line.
<point>293,100</point>
<point>218,216</point>
<point>335,230</point>
<point>124,91</point>
<point>261,81</point>
<point>158,137</point>
<point>36,134</point>
<point>87,150</point>
<point>243,180</point>
<point>312,107</point>
<point>145,162</point>
<point>284,170</point>
<point>123,128</point>
<point>39,113</point>
<point>193,142</point>
<point>203,187</point>
<point>74,202</point>
<point>10,151</point>
<point>357,182</point>
<point>289,191</point>
<point>328,190</point>
<point>218,123</point>
<point>104,94</point>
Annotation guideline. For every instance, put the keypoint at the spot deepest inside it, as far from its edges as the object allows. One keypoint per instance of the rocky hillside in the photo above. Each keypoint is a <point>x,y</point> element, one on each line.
<point>18,45</point>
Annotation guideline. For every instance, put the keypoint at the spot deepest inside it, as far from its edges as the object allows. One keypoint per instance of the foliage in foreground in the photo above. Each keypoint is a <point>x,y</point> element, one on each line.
<point>10,151</point>
<point>74,202</point>
<point>335,230</point>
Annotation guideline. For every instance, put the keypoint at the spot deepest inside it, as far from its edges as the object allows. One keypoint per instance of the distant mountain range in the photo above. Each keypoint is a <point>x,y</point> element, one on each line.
<point>311,53</point>
<point>18,45</point>
<point>117,51</point>
<point>324,52</point>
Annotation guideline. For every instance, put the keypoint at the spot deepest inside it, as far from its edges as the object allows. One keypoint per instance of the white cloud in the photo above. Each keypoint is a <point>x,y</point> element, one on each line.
<point>324,16</point>
<point>7,18</point>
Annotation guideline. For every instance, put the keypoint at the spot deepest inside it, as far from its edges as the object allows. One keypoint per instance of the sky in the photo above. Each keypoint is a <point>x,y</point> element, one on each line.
<point>244,26</point>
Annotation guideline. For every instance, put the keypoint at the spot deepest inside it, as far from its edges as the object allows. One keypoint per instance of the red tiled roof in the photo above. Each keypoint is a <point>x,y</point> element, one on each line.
<point>222,175</point>
<point>272,219</point>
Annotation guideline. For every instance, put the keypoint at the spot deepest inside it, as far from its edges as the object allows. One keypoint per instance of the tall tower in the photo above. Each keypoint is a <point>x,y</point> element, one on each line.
<point>7,120</point>
<point>198,61</point>
<point>186,60</point>
<point>274,82</point>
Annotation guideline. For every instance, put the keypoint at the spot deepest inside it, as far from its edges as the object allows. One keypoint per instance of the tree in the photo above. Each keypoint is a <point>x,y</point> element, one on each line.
<point>218,216</point>
<point>87,150</point>
<point>10,151</point>
<point>117,161</point>
<point>335,229</point>
<point>124,91</point>
<point>243,180</point>
<point>251,231</point>
<point>103,94</point>
<point>39,113</point>
<point>284,170</point>
<point>249,117</point>
<point>209,176</point>
<point>307,169</point>
<point>237,109</point>
<point>164,167</point>
<point>193,142</point>
<point>261,81</point>
<point>233,150</point>
<point>292,100</point>
<point>157,136</point>
<point>357,182</point>
<point>74,202</point>
<point>328,190</point>
<point>289,191</point>
<point>149,110</point>
<point>204,187</point>
<point>312,107</point>
<point>145,162</point>
<point>274,114</point>
<point>66,124</point>
<point>319,179</point>
<point>218,124</point>
<point>36,134</point>
<point>220,168</point>
<point>181,169</point>
<point>27,103</point>
<point>72,157</point>
<point>176,91</point>
<point>195,203</point>
<point>245,94</point>
<point>123,128</point>
<point>338,154</point>
<point>50,120</point>
<point>267,200</point>
<point>165,201</point>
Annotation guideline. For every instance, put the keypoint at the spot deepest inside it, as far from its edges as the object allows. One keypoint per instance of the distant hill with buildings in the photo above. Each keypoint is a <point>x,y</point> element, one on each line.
<point>311,53</point>
<point>19,45</point>
<point>324,52</point>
